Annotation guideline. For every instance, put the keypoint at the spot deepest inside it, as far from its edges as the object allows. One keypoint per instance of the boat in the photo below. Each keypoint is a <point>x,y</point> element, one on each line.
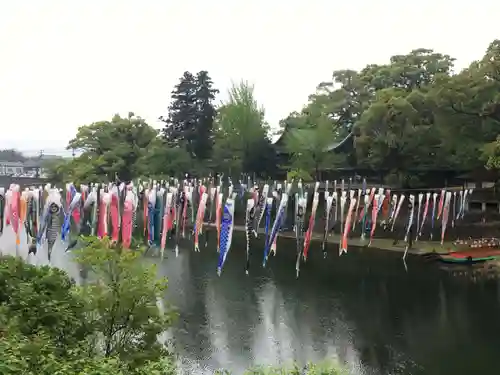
<point>468,251</point>
<point>472,251</point>
<point>473,256</point>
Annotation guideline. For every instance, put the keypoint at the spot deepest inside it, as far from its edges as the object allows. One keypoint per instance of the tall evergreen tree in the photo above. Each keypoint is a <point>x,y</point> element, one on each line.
<point>181,119</point>
<point>191,114</point>
<point>206,113</point>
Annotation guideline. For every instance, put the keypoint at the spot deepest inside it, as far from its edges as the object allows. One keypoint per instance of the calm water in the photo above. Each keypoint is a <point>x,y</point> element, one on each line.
<point>364,308</point>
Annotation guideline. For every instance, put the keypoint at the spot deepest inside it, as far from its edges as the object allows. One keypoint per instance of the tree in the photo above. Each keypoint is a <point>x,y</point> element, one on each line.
<point>401,128</point>
<point>474,92</point>
<point>394,136</point>
<point>311,135</point>
<point>205,96</point>
<point>397,126</point>
<point>328,118</point>
<point>48,325</point>
<point>37,355</point>
<point>123,301</point>
<point>410,116</point>
<point>42,299</point>
<point>32,355</point>
<point>473,102</point>
<point>162,161</point>
<point>342,100</point>
<point>189,123</point>
<point>181,119</point>
<point>241,136</point>
<point>60,171</point>
<point>491,154</point>
<point>12,155</point>
<point>111,149</point>
<point>415,70</point>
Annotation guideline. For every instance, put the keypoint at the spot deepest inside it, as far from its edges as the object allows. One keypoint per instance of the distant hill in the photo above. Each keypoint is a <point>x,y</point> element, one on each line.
<point>17,156</point>
<point>49,157</point>
<point>38,161</point>
<point>12,156</point>
<point>44,160</point>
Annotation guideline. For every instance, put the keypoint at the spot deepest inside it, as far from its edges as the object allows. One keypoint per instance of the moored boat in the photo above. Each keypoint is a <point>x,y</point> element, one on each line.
<point>474,256</point>
<point>473,251</point>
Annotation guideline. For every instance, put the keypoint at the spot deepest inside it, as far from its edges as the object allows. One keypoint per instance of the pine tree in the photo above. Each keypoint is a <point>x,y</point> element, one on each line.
<point>181,118</point>
<point>191,114</point>
<point>206,114</point>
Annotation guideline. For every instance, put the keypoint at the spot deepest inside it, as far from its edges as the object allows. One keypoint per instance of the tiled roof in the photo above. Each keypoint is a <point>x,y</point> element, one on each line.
<point>336,145</point>
<point>308,133</point>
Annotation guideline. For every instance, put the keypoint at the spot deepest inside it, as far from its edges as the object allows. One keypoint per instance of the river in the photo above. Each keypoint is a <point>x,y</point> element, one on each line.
<point>365,308</point>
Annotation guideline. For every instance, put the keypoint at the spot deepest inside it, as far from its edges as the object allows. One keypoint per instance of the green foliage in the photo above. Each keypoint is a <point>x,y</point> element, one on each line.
<point>162,161</point>
<point>42,299</point>
<point>36,355</point>
<point>111,325</point>
<point>422,117</point>
<point>409,116</point>
<point>241,136</point>
<point>399,128</point>
<point>491,154</point>
<point>298,174</point>
<point>57,171</point>
<point>124,302</point>
<point>110,149</point>
<point>312,135</point>
<point>309,139</point>
<point>129,148</point>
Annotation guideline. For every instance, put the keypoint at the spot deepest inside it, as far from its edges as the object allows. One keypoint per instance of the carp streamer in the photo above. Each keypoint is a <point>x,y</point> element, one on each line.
<point>277,225</point>
<point>158,212</point>
<point>249,229</point>
<point>226,234</point>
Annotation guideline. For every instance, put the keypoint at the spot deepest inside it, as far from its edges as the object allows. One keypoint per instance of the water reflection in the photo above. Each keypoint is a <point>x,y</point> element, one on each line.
<point>473,272</point>
<point>364,309</point>
<point>273,327</point>
<point>60,258</point>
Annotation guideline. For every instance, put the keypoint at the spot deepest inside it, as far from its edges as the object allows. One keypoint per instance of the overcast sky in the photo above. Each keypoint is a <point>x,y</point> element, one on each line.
<point>69,63</point>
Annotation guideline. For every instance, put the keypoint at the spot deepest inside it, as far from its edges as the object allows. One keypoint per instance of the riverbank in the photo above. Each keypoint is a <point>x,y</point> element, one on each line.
<point>387,244</point>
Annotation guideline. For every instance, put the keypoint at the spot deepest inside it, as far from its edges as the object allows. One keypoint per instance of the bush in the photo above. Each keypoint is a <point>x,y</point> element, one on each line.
<point>297,174</point>
<point>48,325</point>
<point>42,299</point>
